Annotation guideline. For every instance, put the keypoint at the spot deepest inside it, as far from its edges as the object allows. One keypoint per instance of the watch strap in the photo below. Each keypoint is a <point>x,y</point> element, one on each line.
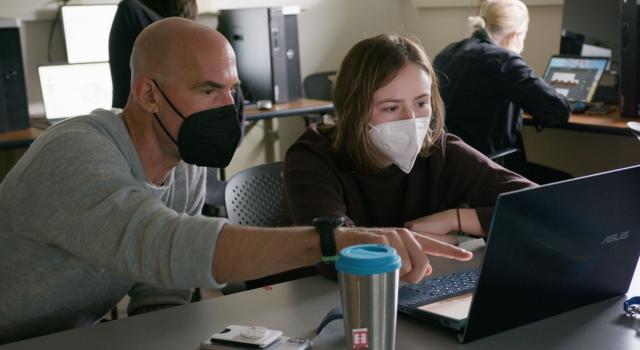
<point>326,227</point>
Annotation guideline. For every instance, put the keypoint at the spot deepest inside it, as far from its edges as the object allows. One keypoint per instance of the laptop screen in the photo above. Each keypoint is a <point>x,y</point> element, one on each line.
<point>71,90</point>
<point>86,32</point>
<point>576,78</point>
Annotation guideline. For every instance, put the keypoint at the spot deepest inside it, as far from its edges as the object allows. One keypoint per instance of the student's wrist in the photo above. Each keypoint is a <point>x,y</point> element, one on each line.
<point>312,247</point>
<point>453,219</point>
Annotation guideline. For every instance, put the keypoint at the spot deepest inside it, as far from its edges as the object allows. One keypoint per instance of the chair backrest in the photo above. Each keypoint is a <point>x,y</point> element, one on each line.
<point>254,196</point>
<point>635,128</point>
<point>318,85</point>
<point>503,154</point>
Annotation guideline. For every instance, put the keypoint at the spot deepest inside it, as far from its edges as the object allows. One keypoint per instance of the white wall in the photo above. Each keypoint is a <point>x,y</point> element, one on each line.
<point>328,29</point>
<point>438,27</point>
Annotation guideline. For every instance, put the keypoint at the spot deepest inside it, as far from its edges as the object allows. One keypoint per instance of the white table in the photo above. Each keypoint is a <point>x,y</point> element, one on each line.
<point>297,307</point>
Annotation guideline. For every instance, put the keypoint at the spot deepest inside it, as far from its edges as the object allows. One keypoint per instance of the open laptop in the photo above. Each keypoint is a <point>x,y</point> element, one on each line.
<point>576,78</point>
<point>550,249</point>
<point>70,90</point>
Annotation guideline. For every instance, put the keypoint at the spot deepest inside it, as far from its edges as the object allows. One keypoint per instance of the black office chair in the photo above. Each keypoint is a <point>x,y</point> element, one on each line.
<point>514,159</point>
<point>318,86</point>
<point>635,128</point>
<point>254,196</point>
<point>499,156</point>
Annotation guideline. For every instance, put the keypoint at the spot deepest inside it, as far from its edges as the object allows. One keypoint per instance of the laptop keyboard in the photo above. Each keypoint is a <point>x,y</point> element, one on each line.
<point>437,288</point>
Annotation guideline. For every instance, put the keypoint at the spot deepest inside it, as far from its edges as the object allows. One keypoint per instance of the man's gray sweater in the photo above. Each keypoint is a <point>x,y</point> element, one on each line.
<point>80,227</point>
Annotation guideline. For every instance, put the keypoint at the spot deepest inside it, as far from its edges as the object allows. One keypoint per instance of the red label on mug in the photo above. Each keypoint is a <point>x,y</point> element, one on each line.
<point>360,338</point>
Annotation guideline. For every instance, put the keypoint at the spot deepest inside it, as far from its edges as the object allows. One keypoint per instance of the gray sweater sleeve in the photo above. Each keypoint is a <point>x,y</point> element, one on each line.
<point>90,204</point>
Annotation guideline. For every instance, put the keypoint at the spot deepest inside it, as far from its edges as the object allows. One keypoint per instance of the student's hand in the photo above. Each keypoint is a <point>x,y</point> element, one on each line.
<point>412,247</point>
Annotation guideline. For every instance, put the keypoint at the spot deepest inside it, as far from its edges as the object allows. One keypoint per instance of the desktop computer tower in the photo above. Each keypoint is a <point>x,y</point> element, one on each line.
<point>629,80</point>
<point>14,112</point>
<point>265,41</point>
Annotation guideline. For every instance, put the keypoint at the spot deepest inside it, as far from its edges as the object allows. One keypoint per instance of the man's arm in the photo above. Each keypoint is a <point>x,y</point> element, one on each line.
<point>103,215</point>
<point>244,253</point>
<point>147,298</point>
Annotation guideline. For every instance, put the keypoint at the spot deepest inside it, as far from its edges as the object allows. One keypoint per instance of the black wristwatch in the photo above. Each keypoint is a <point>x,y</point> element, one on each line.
<point>326,227</point>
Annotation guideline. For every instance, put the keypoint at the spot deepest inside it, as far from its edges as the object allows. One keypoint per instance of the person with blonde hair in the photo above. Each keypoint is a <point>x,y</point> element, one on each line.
<point>486,85</point>
<point>386,160</point>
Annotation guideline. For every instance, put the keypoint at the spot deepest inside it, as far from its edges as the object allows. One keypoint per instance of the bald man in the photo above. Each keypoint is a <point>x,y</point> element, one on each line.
<point>108,204</point>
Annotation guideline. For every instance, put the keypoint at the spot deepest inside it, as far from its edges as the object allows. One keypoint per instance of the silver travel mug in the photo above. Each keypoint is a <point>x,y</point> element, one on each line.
<point>368,276</point>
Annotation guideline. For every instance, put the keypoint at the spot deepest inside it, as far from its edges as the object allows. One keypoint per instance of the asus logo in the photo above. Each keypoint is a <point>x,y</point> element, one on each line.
<point>615,237</point>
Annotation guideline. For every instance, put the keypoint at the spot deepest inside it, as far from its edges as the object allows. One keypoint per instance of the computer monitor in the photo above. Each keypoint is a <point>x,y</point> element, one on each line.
<point>265,41</point>
<point>570,42</point>
<point>589,50</point>
<point>575,77</point>
<point>86,32</point>
<point>71,90</point>
<point>593,22</point>
<point>611,24</point>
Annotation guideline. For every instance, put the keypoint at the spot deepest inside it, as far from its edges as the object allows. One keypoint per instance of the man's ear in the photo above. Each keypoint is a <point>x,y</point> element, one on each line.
<point>143,94</point>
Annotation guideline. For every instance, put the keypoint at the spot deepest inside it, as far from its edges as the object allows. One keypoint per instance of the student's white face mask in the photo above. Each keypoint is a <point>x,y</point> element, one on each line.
<point>400,140</point>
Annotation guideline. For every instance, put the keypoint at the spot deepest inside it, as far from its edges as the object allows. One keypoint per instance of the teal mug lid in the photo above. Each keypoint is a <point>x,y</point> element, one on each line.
<point>368,259</point>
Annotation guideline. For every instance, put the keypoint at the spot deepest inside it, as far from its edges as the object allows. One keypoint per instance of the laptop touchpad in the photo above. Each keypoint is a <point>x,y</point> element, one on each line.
<point>456,308</point>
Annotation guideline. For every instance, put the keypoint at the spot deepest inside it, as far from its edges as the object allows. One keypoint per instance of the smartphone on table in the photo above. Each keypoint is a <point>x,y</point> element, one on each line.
<point>235,337</point>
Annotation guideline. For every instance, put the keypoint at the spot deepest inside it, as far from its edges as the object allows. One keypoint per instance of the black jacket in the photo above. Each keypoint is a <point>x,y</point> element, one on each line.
<point>485,88</point>
<point>131,18</point>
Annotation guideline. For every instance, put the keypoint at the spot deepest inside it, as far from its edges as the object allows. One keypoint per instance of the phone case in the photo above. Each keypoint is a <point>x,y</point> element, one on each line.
<point>285,343</point>
<point>259,337</point>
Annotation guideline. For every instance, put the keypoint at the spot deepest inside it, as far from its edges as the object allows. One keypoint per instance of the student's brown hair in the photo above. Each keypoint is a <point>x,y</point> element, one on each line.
<point>369,65</point>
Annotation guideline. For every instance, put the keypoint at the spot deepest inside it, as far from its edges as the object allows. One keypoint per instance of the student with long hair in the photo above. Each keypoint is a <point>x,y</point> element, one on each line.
<point>386,160</point>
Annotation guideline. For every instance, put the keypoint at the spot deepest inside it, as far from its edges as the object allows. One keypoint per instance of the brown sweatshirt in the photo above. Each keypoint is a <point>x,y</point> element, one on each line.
<point>453,176</point>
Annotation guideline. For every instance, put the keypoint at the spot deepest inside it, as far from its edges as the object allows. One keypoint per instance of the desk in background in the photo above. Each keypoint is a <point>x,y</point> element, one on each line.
<point>298,307</point>
<point>299,107</point>
<point>587,144</point>
<point>293,108</point>
<point>24,137</point>
<point>610,123</point>
<point>14,142</point>
<point>18,138</point>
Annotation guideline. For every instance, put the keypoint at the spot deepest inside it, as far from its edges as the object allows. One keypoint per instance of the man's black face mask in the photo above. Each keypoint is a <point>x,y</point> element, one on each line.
<point>206,138</point>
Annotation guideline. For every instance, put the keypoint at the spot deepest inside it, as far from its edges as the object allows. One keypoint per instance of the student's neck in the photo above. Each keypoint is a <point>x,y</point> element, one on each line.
<point>158,157</point>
